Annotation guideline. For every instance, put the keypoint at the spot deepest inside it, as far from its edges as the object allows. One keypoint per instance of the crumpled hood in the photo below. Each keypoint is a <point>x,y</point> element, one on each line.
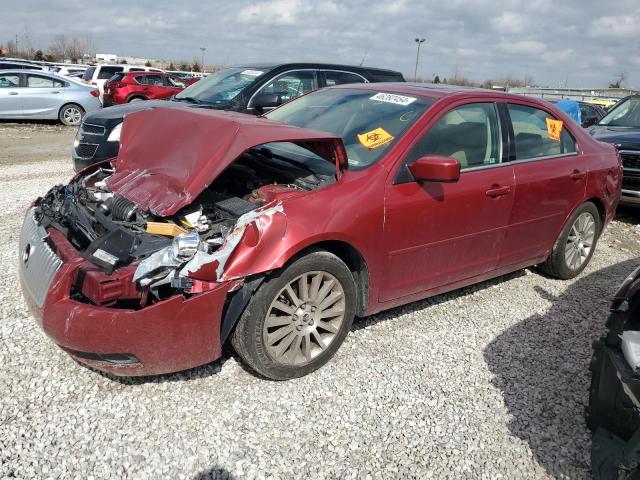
<point>626,137</point>
<point>168,156</point>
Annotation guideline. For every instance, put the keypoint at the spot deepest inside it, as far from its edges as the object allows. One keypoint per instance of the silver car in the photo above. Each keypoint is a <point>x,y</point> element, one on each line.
<point>31,94</point>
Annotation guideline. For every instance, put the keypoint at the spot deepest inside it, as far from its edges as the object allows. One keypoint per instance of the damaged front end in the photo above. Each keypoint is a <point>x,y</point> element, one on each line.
<point>154,235</point>
<point>614,402</point>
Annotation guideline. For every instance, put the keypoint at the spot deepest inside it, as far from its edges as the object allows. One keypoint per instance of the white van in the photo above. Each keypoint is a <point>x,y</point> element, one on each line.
<point>98,75</point>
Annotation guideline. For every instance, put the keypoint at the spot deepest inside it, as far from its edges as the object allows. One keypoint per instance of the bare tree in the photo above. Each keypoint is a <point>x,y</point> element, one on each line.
<point>59,47</point>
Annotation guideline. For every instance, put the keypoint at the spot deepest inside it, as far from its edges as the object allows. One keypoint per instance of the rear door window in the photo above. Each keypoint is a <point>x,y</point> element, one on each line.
<point>37,81</point>
<point>107,72</point>
<point>11,80</point>
<point>538,134</point>
<point>332,78</point>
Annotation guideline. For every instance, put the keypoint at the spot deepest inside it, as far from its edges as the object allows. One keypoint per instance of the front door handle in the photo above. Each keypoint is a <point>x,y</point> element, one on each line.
<point>577,175</point>
<point>497,191</point>
<point>55,92</point>
<point>13,93</point>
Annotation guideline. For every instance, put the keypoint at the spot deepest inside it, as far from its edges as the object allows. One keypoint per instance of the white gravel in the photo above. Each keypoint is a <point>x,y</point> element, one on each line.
<point>486,382</point>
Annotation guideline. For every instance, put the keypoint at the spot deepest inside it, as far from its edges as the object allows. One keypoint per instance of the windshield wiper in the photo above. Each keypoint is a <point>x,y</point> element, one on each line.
<point>188,99</point>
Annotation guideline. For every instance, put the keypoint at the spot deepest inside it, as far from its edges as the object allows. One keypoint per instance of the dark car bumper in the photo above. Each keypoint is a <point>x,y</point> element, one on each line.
<point>168,336</point>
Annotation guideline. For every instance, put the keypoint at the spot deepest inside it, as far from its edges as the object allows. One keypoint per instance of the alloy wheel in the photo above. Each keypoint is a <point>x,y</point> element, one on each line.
<point>72,116</point>
<point>304,318</point>
<point>580,240</point>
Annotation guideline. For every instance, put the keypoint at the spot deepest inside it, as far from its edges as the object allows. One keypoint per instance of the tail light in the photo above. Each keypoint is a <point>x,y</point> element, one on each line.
<point>95,93</point>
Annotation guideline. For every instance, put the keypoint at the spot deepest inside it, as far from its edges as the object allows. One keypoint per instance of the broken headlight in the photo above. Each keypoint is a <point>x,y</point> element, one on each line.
<point>185,246</point>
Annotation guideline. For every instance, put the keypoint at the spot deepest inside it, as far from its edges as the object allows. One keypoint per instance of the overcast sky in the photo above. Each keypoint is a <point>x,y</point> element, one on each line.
<point>584,42</point>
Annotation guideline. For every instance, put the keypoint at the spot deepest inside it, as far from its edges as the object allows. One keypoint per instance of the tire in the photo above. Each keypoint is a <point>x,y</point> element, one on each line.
<point>71,115</point>
<point>289,344</point>
<point>136,99</point>
<point>575,245</point>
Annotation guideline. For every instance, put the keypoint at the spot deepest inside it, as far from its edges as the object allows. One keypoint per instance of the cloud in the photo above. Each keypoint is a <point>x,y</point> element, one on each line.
<point>273,12</point>
<point>509,22</point>
<point>619,26</point>
<point>546,39</point>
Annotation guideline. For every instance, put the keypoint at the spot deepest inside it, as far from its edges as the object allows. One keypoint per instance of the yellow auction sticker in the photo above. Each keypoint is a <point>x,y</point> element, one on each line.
<point>554,129</point>
<point>375,138</point>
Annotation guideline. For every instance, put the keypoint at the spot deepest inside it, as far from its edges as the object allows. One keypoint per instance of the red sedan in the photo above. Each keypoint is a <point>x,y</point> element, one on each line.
<point>135,86</point>
<point>275,232</point>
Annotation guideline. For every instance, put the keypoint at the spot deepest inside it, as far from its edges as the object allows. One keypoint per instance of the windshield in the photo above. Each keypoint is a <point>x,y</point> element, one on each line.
<point>367,121</point>
<point>625,114</point>
<point>222,86</point>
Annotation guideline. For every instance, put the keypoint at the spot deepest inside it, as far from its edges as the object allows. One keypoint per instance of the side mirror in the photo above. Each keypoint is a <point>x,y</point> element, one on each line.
<point>266,100</point>
<point>435,168</point>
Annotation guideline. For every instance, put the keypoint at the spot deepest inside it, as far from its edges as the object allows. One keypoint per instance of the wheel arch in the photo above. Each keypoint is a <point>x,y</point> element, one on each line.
<point>602,211</point>
<point>69,104</point>
<point>133,96</point>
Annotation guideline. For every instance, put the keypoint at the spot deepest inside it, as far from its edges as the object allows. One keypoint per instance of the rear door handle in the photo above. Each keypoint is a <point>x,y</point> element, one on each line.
<point>497,191</point>
<point>577,175</point>
<point>55,92</point>
<point>13,93</point>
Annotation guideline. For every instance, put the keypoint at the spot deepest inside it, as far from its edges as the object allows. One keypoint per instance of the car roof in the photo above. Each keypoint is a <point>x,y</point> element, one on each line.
<point>337,66</point>
<point>430,90</point>
<point>46,74</point>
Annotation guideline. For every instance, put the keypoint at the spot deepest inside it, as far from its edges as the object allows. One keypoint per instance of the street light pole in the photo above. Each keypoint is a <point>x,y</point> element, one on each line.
<point>202,58</point>
<point>419,41</point>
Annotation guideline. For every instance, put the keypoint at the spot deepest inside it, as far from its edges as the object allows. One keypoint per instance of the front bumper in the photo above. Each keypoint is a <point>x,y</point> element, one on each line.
<point>168,336</point>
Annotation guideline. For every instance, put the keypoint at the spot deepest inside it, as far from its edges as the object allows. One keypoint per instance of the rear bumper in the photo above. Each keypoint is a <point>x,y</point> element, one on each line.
<point>169,336</point>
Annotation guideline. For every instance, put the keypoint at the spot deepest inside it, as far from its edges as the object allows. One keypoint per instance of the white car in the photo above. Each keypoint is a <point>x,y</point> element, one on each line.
<point>98,75</point>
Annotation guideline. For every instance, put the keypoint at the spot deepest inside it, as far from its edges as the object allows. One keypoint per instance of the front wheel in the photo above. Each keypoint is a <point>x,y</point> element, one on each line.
<point>576,244</point>
<point>298,318</point>
<point>71,115</point>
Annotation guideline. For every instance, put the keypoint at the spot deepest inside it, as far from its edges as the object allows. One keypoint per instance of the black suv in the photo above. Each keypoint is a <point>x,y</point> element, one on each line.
<point>614,402</point>
<point>249,89</point>
<point>621,127</point>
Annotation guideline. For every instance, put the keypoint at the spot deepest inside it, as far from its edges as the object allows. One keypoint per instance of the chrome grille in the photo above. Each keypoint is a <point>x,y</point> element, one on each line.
<point>630,159</point>
<point>37,262</point>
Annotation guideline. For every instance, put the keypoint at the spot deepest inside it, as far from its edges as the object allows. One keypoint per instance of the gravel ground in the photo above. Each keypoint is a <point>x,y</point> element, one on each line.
<point>485,382</point>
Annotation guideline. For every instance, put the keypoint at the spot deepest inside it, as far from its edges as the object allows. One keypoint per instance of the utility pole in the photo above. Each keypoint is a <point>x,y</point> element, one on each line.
<point>419,41</point>
<point>202,49</point>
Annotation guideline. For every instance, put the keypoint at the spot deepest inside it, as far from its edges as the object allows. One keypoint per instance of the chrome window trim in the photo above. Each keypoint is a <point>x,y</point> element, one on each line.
<point>249,107</point>
<point>526,160</point>
<point>343,71</point>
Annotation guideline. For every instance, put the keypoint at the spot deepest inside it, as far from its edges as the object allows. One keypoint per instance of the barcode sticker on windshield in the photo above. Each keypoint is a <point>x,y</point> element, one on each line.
<point>393,98</point>
<point>252,73</point>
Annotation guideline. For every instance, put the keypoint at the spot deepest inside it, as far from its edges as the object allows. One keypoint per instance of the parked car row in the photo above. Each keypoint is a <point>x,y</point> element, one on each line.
<point>252,89</point>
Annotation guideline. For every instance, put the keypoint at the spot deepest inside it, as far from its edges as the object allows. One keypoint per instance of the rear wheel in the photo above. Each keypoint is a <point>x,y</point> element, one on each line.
<point>575,246</point>
<point>136,99</point>
<point>71,114</point>
<point>298,319</point>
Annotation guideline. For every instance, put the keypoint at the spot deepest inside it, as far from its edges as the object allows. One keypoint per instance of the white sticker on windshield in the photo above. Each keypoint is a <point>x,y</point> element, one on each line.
<point>253,73</point>
<point>393,98</point>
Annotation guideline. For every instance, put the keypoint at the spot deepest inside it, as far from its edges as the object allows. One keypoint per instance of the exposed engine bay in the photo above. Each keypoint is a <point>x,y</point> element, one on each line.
<point>122,241</point>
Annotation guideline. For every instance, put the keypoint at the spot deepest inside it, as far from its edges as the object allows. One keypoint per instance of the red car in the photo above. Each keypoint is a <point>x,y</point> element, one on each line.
<point>133,86</point>
<point>275,232</point>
